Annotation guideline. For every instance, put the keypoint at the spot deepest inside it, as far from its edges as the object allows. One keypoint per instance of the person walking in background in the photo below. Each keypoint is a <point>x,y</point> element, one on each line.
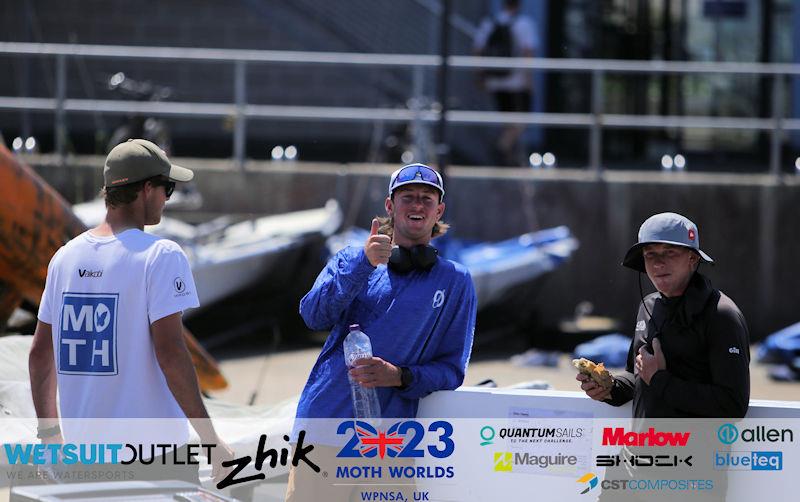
<point>508,34</point>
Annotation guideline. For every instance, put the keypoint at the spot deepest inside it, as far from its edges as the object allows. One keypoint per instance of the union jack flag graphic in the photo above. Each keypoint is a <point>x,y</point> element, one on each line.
<point>373,442</point>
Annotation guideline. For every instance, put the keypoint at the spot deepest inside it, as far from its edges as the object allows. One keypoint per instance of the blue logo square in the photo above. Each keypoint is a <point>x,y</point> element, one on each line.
<point>767,461</point>
<point>87,344</point>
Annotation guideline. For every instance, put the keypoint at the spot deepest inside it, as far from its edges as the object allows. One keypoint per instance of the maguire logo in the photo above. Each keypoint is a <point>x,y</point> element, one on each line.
<point>504,461</point>
<point>401,440</point>
<point>619,437</point>
<point>88,334</point>
<point>729,434</point>
<point>590,480</point>
<point>748,460</point>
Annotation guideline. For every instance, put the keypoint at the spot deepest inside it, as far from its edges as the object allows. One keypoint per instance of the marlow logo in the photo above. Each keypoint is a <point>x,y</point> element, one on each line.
<point>503,461</point>
<point>438,298</point>
<point>590,480</point>
<point>618,436</point>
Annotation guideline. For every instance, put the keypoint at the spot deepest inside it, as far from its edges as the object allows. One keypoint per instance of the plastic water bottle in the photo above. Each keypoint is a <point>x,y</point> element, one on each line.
<point>365,400</point>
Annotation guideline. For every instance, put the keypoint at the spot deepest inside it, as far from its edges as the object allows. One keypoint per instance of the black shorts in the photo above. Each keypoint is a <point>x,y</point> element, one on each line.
<point>513,101</point>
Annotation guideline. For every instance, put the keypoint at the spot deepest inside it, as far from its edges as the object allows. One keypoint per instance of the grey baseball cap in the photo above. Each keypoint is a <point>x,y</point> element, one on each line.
<point>665,228</point>
<point>139,159</point>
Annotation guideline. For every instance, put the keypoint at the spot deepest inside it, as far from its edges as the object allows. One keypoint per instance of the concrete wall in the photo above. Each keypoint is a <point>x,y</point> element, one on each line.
<point>747,223</point>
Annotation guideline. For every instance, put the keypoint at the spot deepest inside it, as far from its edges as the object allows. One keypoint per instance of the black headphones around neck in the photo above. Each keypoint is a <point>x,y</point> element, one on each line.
<point>419,257</point>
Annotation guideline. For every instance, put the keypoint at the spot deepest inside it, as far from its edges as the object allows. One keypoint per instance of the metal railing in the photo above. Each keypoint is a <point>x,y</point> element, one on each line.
<point>596,121</point>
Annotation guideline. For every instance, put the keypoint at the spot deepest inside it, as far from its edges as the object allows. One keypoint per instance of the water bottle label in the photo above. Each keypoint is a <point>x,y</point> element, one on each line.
<point>351,358</point>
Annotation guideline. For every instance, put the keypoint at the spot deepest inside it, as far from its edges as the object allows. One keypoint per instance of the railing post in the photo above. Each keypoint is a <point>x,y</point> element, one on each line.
<point>60,116</point>
<point>777,127</point>
<point>240,125</point>
<point>596,131</point>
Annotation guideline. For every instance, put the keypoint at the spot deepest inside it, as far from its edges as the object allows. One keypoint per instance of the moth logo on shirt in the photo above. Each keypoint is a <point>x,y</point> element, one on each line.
<point>438,298</point>
<point>87,343</point>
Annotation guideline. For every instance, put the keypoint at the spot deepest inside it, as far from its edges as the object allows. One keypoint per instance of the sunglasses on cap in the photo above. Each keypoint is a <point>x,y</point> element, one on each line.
<point>169,186</point>
<point>416,173</point>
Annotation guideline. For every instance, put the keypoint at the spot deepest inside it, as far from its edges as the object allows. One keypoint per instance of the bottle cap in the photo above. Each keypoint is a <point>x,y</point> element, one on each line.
<point>355,327</point>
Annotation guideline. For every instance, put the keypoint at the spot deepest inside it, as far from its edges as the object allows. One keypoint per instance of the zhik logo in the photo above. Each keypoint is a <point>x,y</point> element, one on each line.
<point>401,440</point>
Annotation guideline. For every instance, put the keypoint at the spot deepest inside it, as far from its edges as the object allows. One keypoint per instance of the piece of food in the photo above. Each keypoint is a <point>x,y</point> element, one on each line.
<point>596,372</point>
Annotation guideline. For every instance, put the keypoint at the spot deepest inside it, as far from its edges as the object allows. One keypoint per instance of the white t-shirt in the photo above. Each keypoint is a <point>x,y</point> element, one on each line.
<point>101,295</point>
<point>524,37</point>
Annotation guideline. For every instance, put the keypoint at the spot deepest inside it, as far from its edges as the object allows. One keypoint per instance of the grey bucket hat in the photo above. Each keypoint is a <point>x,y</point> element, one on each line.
<point>665,228</point>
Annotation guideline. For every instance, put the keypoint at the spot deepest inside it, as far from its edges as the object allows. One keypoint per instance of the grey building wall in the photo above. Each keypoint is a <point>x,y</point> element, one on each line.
<point>747,223</point>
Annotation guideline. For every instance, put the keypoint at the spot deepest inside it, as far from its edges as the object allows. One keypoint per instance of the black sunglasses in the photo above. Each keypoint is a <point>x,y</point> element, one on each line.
<point>169,186</point>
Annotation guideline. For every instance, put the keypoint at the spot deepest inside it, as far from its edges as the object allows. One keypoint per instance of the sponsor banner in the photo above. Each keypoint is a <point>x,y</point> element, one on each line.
<point>530,452</point>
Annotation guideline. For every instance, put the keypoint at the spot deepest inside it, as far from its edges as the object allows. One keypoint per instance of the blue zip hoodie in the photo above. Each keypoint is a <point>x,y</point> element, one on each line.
<point>422,320</point>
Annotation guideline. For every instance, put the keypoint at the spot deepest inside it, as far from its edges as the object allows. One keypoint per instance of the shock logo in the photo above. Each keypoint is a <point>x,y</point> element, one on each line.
<point>401,440</point>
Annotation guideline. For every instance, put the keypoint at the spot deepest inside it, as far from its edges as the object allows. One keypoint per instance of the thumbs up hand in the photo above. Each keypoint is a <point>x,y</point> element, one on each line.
<point>378,247</point>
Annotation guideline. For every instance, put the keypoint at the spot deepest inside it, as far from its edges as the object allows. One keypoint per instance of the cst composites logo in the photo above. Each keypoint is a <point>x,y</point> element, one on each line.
<point>405,439</point>
<point>589,480</point>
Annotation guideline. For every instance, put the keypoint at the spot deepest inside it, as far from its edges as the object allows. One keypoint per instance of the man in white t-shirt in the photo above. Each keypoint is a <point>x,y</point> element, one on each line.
<point>508,34</point>
<point>109,336</point>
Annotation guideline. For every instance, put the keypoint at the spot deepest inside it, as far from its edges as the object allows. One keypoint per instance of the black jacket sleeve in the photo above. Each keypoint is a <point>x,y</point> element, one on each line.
<point>625,382</point>
<point>728,393</point>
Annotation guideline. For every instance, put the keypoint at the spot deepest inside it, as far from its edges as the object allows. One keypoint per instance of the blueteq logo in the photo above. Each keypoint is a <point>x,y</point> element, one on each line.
<point>401,440</point>
<point>748,460</point>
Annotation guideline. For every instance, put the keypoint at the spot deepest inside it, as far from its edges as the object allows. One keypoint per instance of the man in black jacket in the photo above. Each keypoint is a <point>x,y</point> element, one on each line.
<point>689,358</point>
<point>690,353</point>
